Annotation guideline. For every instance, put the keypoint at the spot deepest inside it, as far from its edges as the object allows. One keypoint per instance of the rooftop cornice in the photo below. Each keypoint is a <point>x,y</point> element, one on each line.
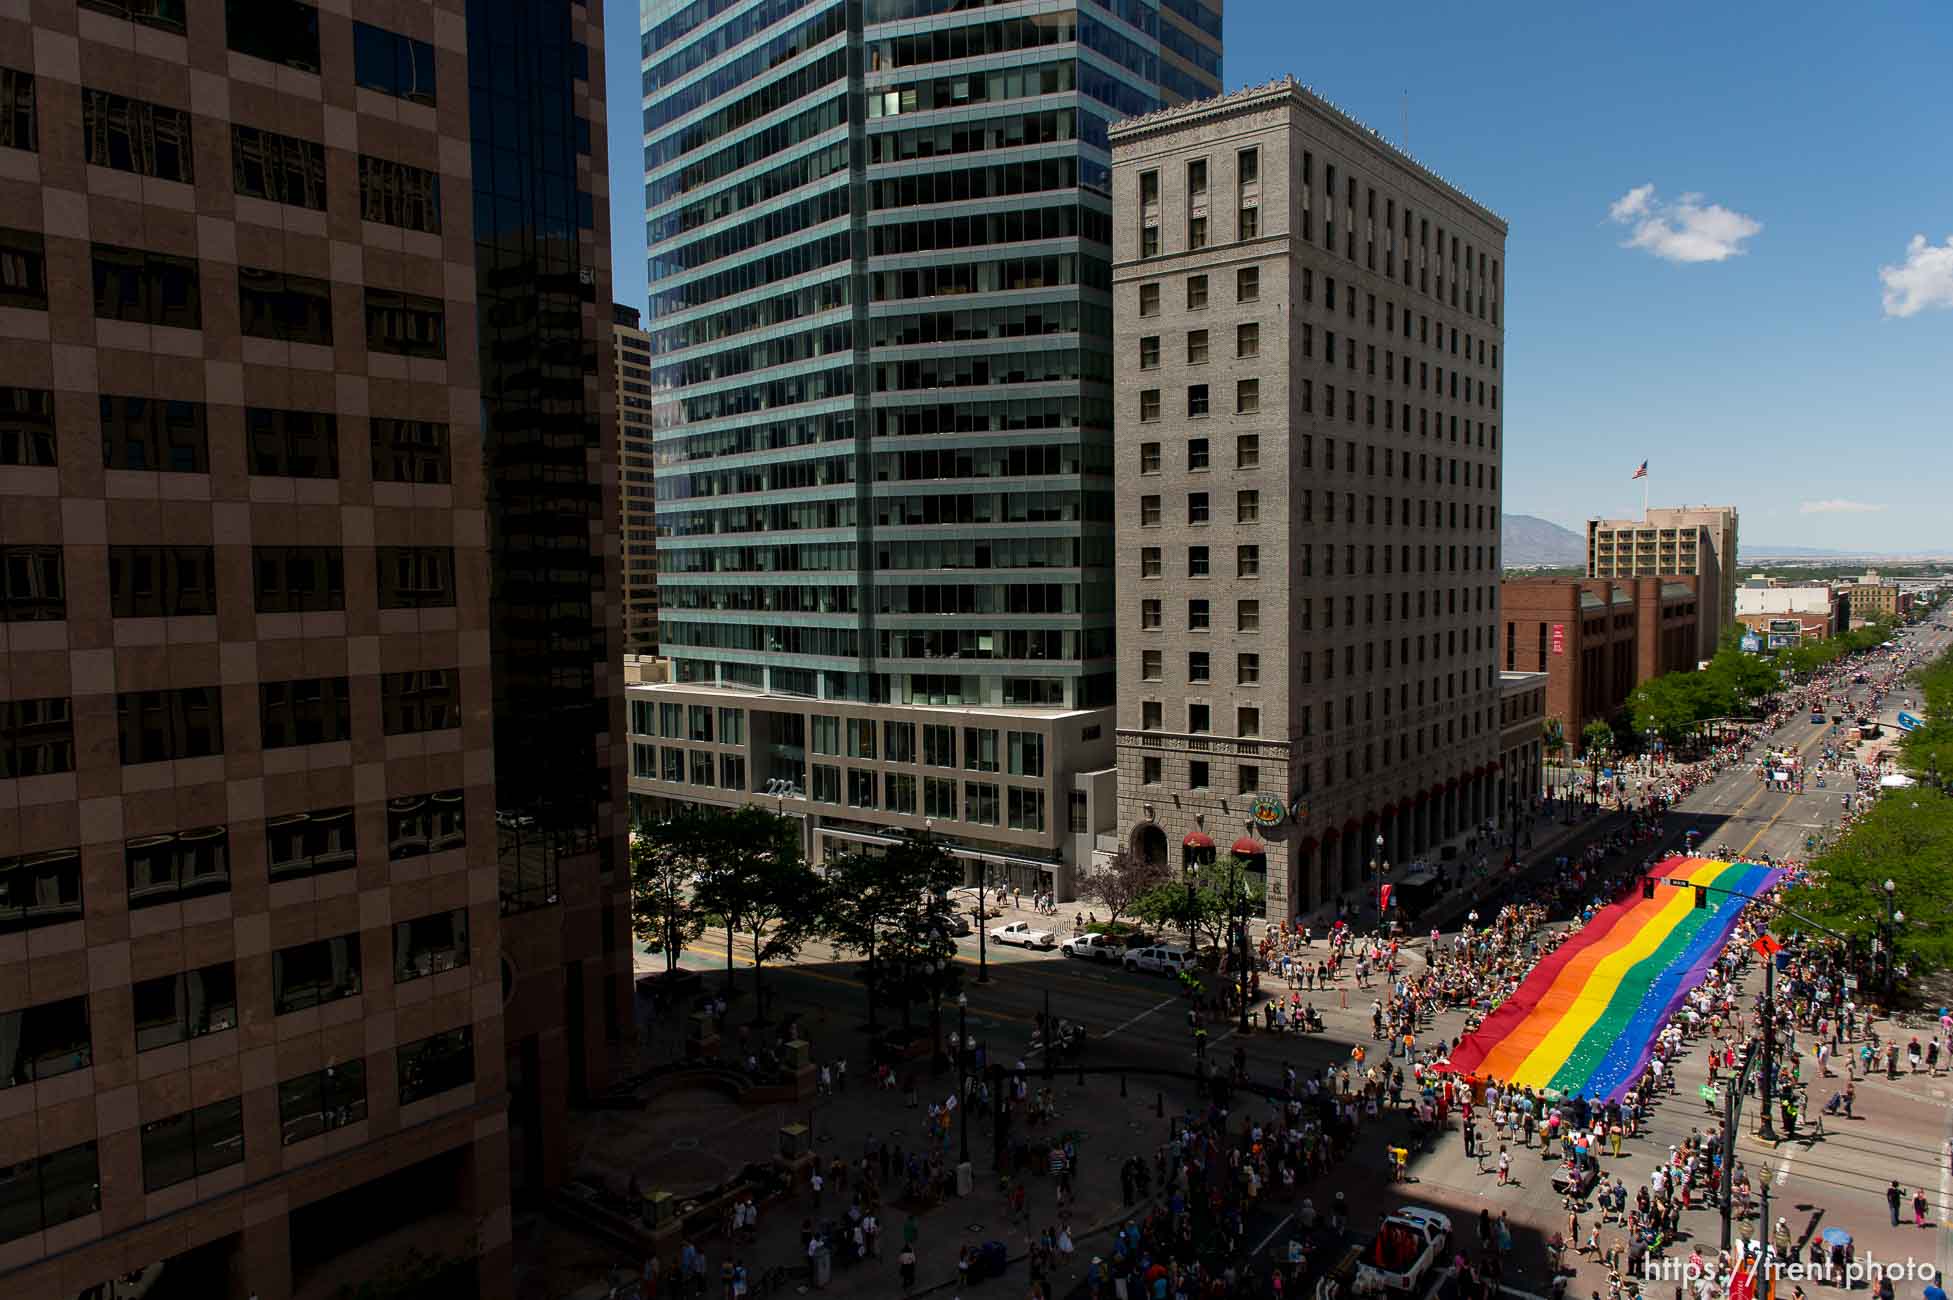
<point>1287,87</point>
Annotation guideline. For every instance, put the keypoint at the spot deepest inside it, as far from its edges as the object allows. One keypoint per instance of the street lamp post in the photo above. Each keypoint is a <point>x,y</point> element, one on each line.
<point>962,1068</point>
<point>1378,865</point>
<point>1892,915</point>
<point>983,925</point>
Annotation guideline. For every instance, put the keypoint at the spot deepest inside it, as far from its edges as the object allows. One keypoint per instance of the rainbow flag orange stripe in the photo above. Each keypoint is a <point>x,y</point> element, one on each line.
<point>1584,1021</point>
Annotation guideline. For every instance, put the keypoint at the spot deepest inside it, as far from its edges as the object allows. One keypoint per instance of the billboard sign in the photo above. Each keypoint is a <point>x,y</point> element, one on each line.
<point>1559,638</point>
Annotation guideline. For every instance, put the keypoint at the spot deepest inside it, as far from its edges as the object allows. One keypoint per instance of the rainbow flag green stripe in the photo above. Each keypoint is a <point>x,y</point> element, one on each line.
<point>1585,1020</point>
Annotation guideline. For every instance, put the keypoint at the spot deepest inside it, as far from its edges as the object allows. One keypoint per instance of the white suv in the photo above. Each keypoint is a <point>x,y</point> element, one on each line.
<point>1159,960</point>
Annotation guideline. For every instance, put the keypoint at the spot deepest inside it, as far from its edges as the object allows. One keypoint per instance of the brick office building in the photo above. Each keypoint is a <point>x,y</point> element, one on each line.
<point>1306,478</point>
<point>309,834</point>
<point>1597,639</point>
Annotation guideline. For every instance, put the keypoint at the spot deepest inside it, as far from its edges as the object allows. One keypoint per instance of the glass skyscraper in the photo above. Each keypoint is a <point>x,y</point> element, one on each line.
<point>880,329</point>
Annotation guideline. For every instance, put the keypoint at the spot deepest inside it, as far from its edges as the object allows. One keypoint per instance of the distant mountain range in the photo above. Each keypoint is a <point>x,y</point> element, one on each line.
<point>1527,541</point>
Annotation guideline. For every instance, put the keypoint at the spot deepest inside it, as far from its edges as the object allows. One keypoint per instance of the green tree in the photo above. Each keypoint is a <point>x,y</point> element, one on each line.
<point>1203,900</point>
<point>747,849</point>
<point>893,908</point>
<point>1120,883</point>
<point>1596,738</point>
<point>1906,838</point>
<point>666,858</point>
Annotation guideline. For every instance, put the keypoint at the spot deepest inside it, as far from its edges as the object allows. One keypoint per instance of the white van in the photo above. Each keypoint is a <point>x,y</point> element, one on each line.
<point>1161,959</point>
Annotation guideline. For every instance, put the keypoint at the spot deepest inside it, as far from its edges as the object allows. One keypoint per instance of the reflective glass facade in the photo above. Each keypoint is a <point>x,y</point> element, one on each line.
<point>880,321</point>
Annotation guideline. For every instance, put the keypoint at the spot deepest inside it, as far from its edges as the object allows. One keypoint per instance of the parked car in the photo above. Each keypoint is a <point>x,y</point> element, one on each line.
<point>958,924</point>
<point>1099,947</point>
<point>1024,935</point>
<point>1160,959</point>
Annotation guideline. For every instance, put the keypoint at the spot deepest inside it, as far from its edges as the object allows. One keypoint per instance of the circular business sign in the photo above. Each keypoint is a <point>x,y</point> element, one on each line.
<point>1267,811</point>
<point>1299,810</point>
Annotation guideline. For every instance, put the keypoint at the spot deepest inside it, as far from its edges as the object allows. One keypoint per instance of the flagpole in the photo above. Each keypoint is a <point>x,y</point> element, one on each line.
<point>1644,497</point>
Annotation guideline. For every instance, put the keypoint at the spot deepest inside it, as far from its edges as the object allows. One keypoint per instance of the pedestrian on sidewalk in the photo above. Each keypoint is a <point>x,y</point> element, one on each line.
<point>1505,1170</point>
<point>1892,1198</point>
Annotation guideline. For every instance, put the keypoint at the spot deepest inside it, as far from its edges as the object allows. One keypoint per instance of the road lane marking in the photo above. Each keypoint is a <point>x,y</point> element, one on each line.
<point>1118,1029</point>
<point>1273,1233</point>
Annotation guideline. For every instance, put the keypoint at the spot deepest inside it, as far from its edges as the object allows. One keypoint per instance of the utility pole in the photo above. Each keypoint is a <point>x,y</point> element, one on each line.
<point>983,923</point>
<point>1767,1128</point>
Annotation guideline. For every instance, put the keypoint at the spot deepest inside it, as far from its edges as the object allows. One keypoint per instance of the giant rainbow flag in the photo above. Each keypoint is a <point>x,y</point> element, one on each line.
<point>1584,1021</point>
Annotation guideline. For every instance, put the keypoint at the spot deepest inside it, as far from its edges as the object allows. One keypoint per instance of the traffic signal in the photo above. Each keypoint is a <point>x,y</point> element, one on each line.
<point>1701,897</point>
<point>1647,886</point>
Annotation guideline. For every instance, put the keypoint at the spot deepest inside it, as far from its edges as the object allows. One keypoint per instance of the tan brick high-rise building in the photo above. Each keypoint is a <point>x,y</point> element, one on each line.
<point>1691,541</point>
<point>310,762</point>
<point>1306,455</point>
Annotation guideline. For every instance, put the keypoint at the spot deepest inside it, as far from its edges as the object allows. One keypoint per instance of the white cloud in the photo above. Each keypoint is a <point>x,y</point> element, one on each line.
<point>1925,280</point>
<point>1684,230</point>
<point>1838,506</point>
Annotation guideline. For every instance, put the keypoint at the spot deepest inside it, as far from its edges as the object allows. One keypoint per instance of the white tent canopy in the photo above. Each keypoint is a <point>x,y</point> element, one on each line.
<point>1896,781</point>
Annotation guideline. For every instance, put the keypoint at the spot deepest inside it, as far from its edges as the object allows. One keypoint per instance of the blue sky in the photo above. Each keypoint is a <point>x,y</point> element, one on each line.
<point>1744,341</point>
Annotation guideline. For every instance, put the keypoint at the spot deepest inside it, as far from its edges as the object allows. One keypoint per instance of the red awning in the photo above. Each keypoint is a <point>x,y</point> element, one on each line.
<point>1249,847</point>
<point>1197,840</point>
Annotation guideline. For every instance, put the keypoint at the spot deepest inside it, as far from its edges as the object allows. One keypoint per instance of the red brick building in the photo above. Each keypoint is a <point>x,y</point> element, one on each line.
<point>1596,639</point>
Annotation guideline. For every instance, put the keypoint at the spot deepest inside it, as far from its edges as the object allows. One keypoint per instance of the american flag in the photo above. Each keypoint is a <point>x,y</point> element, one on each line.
<point>1640,473</point>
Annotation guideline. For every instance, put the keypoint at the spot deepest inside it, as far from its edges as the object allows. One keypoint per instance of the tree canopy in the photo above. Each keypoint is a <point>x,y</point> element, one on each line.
<point>1906,838</point>
<point>1203,899</point>
<point>892,906</point>
<point>1928,751</point>
<point>1120,883</point>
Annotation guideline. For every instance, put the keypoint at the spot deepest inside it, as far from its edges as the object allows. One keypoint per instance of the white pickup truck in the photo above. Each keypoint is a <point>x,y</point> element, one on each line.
<point>1408,1245</point>
<point>1024,935</point>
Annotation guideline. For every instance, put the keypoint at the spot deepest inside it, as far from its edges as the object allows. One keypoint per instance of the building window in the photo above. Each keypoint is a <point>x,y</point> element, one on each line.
<point>1077,812</point>
<point>1248,222</point>
<point>159,726</point>
<point>1149,241</point>
<point>408,324</point>
<point>132,284</point>
<point>1196,293</point>
<point>42,1192</point>
<point>428,699</point>
<point>40,1042</point>
<point>1149,298</point>
<point>1247,451</point>
<point>312,974</point>
<point>27,427</point>
<point>1149,614</point>
<point>1247,721</point>
<point>284,306</point>
<point>861,788</point>
<point>37,737</point>
<point>398,194</point>
<point>1149,511</point>
<point>429,945</point>
<point>1197,508</point>
<point>436,1064</point>
<point>1149,458</point>
<point>1149,188</point>
<point>1149,561</point>
<point>192,1144</point>
<point>309,844</point>
<point>1247,506</point>
<point>1247,284</point>
<point>1149,352</point>
<point>1247,340</point>
<point>939,798</point>
<point>189,1004</point>
<point>1151,665</point>
<point>418,824</point>
<point>23,270</point>
<point>1247,616</point>
<point>1247,561</point>
<point>151,434</point>
<point>1199,666</point>
<point>17,125</point>
<point>1247,779</point>
<point>1199,719</point>
<point>299,579</point>
<point>278,168</point>
<point>321,1100</point>
<point>1149,404</point>
<point>415,577</point>
<point>393,64</point>
<point>827,784</point>
<point>1199,615</point>
<point>1247,669</point>
<point>177,866</point>
<point>938,745</point>
<point>1198,565</point>
<point>307,711</point>
<point>1196,232</point>
<point>31,590</point>
<point>38,889</point>
<point>1026,749</point>
<point>279,31</point>
<point>1151,715</point>
<point>1198,774</point>
<point>1196,401</point>
<point>1247,396</point>
<point>133,135</point>
<point>979,749</point>
<point>1026,809</point>
<point>1196,347</point>
<point>410,451</point>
